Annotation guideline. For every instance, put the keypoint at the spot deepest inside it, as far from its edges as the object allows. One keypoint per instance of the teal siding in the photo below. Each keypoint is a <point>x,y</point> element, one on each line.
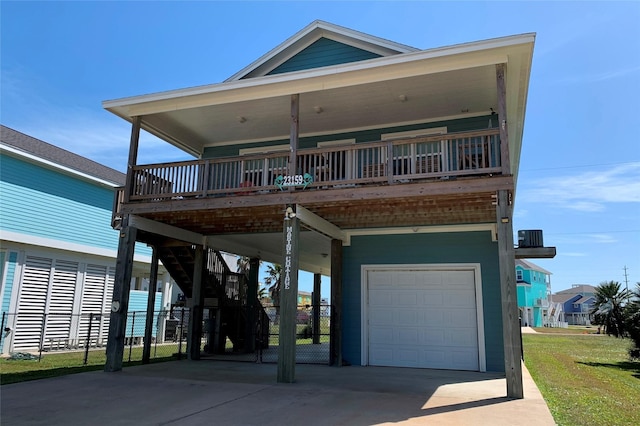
<point>466,124</point>
<point>45,203</point>
<point>8,284</point>
<point>471,247</point>
<point>138,304</point>
<point>322,53</point>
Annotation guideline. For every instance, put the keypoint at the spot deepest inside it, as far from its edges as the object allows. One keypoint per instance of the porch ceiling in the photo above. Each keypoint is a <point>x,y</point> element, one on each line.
<point>256,230</point>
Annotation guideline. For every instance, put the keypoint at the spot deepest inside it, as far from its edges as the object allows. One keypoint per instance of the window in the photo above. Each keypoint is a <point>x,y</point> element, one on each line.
<point>519,276</point>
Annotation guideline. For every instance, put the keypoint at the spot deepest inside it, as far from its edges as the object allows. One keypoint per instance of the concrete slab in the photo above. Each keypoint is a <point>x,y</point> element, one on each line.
<point>232,393</point>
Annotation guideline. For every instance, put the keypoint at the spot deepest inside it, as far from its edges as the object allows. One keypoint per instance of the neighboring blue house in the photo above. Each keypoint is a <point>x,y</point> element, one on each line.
<point>577,303</point>
<point>534,289</point>
<point>399,162</point>
<point>57,248</point>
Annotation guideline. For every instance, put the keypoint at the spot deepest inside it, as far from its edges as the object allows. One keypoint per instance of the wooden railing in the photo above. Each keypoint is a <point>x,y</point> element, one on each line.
<point>389,161</point>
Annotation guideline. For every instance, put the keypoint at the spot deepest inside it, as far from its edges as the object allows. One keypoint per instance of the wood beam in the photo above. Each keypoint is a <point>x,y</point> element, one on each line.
<point>335,345</point>
<point>422,189</point>
<point>319,224</point>
<point>502,116</point>
<point>510,322</point>
<point>288,300</point>
<point>252,298</point>
<point>294,134</point>
<point>315,301</point>
<point>195,315</point>
<point>120,299</point>
<point>165,230</point>
<point>151,302</point>
<point>133,156</point>
<point>535,253</point>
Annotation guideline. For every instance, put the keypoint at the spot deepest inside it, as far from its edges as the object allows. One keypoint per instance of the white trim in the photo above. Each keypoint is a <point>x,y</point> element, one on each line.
<point>364,295</point>
<point>263,149</point>
<point>57,166</point>
<point>419,132</point>
<point>340,142</point>
<point>25,239</point>
<point>319,224</point>
<point>422,230</point>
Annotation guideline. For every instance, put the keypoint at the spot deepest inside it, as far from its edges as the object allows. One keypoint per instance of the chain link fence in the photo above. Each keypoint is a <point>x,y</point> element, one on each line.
<point>82,339</point>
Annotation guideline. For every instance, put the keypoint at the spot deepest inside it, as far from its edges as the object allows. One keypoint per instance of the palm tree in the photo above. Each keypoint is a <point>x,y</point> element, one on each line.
<point>608,307</point>
<point>632,318</point>
<point>243,264</point>
<point>273,279</point>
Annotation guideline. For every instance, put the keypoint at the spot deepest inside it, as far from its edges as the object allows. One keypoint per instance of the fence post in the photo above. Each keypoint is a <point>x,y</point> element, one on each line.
<point>180,334</point>
<point>133,321</point>
<point>86,346</point>
<point>44,324</point>
<point>4,314</point>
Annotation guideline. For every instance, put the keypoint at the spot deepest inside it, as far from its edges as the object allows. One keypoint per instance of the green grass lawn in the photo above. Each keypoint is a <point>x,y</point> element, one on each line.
<point>585,379</point>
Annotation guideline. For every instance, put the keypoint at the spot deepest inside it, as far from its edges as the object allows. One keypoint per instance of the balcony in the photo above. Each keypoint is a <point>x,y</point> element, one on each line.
<point>442,179</point>
<point>541,303</point>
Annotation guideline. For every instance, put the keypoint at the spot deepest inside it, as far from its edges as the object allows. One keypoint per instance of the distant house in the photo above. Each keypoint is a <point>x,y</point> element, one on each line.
<point>57,248</point>
<point>534,289</point>
<point>577,303</point>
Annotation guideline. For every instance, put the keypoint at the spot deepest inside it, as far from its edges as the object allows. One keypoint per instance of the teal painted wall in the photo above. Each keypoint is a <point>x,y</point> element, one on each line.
<point>46,203</point>
<point>12,259</point>
<point>138,304</point>
<point>466,124</point>
<point>322,53</point>
<point>471,247</point>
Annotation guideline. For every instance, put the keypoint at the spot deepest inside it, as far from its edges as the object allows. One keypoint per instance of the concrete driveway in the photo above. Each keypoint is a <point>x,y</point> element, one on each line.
<point>233,393</point>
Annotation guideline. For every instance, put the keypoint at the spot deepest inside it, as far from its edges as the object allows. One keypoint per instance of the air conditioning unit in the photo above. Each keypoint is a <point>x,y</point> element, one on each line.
<point>530,238</point>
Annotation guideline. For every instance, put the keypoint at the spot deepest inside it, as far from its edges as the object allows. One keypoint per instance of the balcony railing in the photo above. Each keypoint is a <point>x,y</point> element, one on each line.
<point>542,303</point>
<point>389,161</point>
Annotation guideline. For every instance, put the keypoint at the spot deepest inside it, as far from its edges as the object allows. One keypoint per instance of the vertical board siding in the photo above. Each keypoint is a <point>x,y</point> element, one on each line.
<point>322,53</point>
<point>469,247</point>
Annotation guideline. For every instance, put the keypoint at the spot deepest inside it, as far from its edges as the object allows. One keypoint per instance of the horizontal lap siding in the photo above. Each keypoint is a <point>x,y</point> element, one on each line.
<point>470,247</point>
<point>40,202</point>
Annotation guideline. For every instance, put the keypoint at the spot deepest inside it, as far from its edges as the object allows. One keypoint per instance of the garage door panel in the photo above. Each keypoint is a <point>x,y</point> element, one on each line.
<point>423,318</point>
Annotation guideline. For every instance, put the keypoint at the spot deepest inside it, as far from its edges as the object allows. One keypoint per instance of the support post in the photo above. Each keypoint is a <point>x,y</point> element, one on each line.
<point>252,299</point>
<point>335,347</point>
<point>195,314</point>
<point>505,160</point>
<point>120,300</point>
<point>510,322</point>
<point>133,157</point>
<point>288,299</point>
<point>315,301</point>
<point>294,134</point>
<point>151,302</point>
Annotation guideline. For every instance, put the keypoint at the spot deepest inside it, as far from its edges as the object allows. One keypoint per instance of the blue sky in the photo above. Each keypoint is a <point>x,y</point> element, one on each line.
<point>580,168</point>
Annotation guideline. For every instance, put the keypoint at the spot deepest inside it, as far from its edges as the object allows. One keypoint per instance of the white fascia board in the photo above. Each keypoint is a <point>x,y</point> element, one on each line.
<point>50,164</point>
<point>422,230</point>
<point>398,66</point>
<point>33,240</point>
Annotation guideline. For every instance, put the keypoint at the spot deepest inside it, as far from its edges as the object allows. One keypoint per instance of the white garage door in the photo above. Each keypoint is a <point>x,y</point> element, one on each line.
<point>422,318</point>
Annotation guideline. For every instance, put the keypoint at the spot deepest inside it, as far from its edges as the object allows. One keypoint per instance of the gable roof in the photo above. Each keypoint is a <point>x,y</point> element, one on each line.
<point>311,34</point>
<point>579,289</point>
<point>27,146</point>
<point>525,264</point>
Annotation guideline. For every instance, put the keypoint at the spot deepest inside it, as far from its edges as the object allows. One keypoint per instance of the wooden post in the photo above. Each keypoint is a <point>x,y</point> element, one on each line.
<point>510,323</point>
<point>288,298</point>
<point>502,116</point>
<point>252,298</point>
<point>133,157</point>
<point>195,314</point>
<point>151,302</point>
<point>294,134</point>
<point>335,346</point>
<point>315,296</point>
<point>120,300</point>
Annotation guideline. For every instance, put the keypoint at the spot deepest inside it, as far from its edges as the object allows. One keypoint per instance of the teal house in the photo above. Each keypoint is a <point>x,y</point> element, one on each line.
<point>391,169</point>
<point>534,293</point>
<point>57,248</point>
